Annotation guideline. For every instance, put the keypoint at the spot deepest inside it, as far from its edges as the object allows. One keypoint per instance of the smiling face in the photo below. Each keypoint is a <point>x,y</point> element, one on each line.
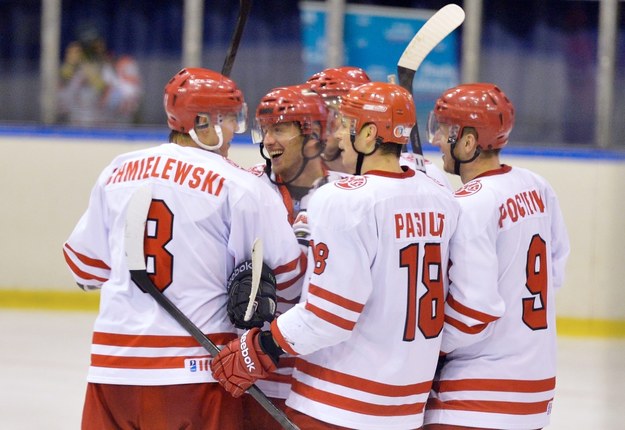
<point>283,143</point>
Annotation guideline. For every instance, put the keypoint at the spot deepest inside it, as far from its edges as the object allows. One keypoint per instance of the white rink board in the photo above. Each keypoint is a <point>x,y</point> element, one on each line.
<point>47,181</point>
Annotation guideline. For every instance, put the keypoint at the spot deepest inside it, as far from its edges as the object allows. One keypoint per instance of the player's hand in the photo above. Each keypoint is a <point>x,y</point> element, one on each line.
<point>302,230</point>
<point>239,288</point>
<point>242,362</point>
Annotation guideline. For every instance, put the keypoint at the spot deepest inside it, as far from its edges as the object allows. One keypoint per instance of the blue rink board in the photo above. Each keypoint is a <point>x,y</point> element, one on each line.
<point>159,135</point>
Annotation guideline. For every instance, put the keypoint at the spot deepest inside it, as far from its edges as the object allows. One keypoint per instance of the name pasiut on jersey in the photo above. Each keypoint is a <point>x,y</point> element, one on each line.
<point>424,224</point>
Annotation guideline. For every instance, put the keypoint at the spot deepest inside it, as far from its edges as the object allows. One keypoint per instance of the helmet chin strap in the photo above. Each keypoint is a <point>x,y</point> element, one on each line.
<point>457,161</point>
<point>220,137</point>
<point>361,155</point>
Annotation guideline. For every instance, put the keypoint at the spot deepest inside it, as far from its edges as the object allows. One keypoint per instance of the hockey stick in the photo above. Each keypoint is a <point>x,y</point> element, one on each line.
<point>245,6</point>
<point>136,217</point>
<point>257,267</point>
<point>435,29</point>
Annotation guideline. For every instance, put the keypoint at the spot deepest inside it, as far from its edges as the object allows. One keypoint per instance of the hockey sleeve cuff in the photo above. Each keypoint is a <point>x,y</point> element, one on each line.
<point>279,338</point>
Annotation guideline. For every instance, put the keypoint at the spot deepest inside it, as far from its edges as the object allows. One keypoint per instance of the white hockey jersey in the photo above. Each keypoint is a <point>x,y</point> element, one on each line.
<point>369,323</point>
<point>204,216</point>
<point>507,260</point>
<point>278,384</point>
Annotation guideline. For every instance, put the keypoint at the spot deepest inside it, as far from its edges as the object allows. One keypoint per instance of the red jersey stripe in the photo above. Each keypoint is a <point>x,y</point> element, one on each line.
<point>502,385</point>
<point>98,360</point>
<point>361,384</point>
<point>291,265</point>
<point>330,317</point>
<point>280,378</point>
<point>491,406</point>
<point>152,341</point>
<point>353,405</point>
<point>286,361</point>
<point>88,260</point>
<point>79,272</point>
<point>463,327</point>
<point>293,301</point>
<point>471,313</point>
<point>277,335</point>
<point>351,305</point>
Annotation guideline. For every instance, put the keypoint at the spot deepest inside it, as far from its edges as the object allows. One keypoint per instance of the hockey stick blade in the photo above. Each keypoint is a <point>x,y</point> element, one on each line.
<point>245,6</point>
<point>136,218</point>
<point>435,29</point>
<point>257,268</point>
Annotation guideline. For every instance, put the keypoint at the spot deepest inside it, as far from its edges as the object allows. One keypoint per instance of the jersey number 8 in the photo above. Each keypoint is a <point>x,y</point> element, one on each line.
<point>428,312</point>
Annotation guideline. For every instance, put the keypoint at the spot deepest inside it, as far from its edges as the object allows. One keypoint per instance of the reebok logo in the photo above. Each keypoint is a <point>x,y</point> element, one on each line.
<point>245,353</point>
<point>243,267</point>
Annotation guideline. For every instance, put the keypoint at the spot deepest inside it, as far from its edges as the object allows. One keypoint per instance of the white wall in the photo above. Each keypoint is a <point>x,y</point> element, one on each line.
<point>46,184</point>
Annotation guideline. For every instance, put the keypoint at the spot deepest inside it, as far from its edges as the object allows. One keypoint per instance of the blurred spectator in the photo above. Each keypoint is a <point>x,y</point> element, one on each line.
<point>95,87</point>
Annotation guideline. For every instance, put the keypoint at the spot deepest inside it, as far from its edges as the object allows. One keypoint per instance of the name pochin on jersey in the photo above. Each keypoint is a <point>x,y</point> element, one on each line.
<point>170,169</point>
<point>522,205</point>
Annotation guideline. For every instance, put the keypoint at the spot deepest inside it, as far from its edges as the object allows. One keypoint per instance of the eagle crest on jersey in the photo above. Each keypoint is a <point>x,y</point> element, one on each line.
<point>257,170</point>
<point>239,288</point>
<point>351,183</point>
<point>469,189</point>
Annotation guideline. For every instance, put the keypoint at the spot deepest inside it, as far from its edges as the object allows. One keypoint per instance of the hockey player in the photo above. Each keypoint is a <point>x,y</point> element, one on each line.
<point>367,331</point>
<point>146,371</point>
<point>334,83</point>
<point>291,128</point>
<point>507,261</point>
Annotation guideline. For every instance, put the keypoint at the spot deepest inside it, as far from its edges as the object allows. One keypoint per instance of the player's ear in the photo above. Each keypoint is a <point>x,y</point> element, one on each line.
<point>469,143</point>
<point>371,133</point>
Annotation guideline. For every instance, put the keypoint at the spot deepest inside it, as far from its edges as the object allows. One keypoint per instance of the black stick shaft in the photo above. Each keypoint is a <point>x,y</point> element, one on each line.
<point>143,281</point>
<point>244,12</point>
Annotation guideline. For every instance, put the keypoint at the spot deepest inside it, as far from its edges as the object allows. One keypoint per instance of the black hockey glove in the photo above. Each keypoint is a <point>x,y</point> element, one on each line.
<point>239,288</point>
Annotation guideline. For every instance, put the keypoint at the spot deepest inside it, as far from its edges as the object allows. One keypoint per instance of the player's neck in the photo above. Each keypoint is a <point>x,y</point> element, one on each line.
<point>481,165</point>
<point>335,165</point>
<point>381,162</point>
<point>312,172</point>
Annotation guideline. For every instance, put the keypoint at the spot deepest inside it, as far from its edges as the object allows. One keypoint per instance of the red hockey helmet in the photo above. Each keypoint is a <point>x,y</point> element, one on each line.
<point>482,106</point>
<point>388,106</point>
<point>337,81</point>
<point>296,103</point>
<point>194,91</point>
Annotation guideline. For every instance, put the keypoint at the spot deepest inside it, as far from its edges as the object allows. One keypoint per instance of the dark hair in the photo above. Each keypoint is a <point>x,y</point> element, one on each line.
<point>390,148</point>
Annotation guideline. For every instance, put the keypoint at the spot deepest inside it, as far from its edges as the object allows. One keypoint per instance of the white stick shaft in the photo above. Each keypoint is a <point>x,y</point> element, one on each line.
<point>257,267</point>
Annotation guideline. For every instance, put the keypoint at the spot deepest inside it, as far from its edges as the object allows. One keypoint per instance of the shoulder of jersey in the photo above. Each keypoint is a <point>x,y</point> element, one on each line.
<point>334,175</point>
<point>121,158</point>
<point>232,163</point>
